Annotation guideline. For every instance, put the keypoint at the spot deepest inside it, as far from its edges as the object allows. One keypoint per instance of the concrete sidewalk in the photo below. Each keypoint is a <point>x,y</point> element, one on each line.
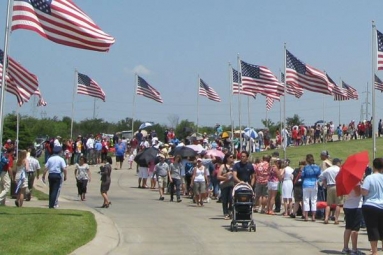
<point>138,223</point>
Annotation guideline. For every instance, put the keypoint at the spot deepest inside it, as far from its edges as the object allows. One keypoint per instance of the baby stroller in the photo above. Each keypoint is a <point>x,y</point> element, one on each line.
<point>243,199</point>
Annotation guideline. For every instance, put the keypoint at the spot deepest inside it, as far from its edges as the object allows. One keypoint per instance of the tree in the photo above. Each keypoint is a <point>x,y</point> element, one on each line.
<point>185,128</point>
<point>174,120</point>
<point>294,121</point>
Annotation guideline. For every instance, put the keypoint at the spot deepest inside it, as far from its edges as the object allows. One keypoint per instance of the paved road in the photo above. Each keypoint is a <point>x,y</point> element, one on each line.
<point>149,226</point>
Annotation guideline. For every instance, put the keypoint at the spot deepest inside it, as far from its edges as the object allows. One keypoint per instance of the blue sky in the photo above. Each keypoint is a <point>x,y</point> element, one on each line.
<point>169,43</point>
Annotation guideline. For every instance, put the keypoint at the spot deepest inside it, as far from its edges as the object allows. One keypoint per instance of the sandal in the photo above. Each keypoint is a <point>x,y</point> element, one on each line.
<point>336,222</point>
<point>227,217</point>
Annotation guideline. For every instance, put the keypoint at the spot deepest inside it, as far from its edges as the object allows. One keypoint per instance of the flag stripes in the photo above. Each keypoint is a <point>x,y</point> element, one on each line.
<point>236,85</point>
<point>144,89</point>
<point>259,79</point>
<point>351,92</point>
<point>60,21</point>
<point>304,76</point>
<point>379,37</point>
<point>89,87</point>
<point>205,90</point>
<point>378,83</point>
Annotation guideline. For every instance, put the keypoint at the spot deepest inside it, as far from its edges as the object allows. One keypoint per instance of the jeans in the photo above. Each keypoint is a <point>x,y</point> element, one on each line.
<point>54,187</point>
<point>177,183</point>
<point>31,180</point>
<point>76,157</point>
<point>226,198</point>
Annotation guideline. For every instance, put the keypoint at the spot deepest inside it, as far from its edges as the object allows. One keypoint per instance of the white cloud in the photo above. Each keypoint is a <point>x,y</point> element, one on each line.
<point>140,69</point>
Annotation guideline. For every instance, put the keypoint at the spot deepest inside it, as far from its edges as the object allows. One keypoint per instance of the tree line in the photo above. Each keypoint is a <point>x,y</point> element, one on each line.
<point>31,128</point>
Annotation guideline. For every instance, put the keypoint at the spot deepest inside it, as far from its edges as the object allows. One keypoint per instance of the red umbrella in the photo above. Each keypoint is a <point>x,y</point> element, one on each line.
<point>351,172</point>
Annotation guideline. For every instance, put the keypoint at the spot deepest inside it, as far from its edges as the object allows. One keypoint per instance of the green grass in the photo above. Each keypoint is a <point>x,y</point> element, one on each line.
<point>44,231</point>
<point>40,195</point>
<point>336,149</point>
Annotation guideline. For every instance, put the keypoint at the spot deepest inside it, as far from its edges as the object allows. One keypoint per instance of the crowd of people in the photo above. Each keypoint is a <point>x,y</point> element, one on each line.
<point>308,191</point>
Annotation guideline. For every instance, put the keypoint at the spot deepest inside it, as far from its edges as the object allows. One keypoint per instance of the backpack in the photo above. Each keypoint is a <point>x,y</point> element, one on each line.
<point>189,167</point>
<point>3,162</point>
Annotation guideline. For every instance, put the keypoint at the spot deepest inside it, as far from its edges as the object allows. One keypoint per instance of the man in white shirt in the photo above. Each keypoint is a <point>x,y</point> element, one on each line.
<point>90,150</point>
<point>56,142</point>
<point>328,177</point>
<point>34,168</point>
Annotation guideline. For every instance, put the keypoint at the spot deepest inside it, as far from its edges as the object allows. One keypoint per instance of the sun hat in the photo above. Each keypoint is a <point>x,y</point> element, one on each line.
<point>161,155</point>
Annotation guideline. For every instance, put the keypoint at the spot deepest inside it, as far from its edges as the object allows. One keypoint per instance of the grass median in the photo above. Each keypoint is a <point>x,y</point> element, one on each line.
<point>30,230</point>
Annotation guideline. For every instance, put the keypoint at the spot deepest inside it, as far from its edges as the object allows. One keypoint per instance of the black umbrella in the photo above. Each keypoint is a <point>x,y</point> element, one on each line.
<point>184,152</point>
<point>145,156</point>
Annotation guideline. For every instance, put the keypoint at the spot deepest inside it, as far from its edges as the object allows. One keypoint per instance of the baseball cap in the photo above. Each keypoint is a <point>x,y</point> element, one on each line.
<point>199,159</point>
<point>57,149</point>
<point>336,161</point>
<point>275,154</point>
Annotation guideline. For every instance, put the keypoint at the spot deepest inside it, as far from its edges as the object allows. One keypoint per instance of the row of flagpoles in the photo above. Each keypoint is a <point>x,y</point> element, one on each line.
<point>53,20</point>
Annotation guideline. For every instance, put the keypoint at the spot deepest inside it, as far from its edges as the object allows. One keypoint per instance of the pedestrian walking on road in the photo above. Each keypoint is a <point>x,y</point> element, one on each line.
<point>199,182</point>
<point>32,173</point>
<point>83,176</point>
<point>225,177</point>
<point>106,171</point>
<point>175,178</point>
<point>56,168</point>
<point>21,179</point>
<point>161,171</point>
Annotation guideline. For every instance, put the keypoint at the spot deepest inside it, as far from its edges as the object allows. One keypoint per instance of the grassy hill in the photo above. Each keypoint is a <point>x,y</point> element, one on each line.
<point>341,150</point>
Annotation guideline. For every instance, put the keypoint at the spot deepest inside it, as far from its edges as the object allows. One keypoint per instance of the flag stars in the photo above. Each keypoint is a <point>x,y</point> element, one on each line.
<point>42,5</point>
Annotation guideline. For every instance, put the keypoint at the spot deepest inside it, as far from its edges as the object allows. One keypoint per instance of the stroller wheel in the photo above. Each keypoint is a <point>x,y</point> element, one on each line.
<point>231,227</point>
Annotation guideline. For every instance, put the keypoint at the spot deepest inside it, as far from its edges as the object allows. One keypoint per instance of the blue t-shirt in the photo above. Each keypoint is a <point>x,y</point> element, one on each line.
<point>374,184</point>
<point>98,146</point>
<point>310,174</point>
<point>55,164</point>
<point>120,149</point>
<point>244,171</point>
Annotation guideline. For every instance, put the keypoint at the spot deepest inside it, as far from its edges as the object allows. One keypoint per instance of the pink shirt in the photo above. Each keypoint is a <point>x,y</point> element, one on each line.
<point>262,172</point>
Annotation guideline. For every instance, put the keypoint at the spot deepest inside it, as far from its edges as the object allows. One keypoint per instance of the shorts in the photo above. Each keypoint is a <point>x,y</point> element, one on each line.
<point>261,189</point>
<point>332,198</point>
<point>373,217</point>
<point>162,181</point>
<point>119,158</point>
<point>298,194</point>
<point>142,172</point>
<point>24,182</point>
<point>272,185</point>
<point>353,218</point>
<point>199,188</point>
<point>183,181</point>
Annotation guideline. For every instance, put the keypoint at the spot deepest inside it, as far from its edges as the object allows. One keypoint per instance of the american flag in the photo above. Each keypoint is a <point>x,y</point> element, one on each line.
<point>144,89</point>
<point>340,94</point>
<point>20,80</point>
<point>378,83</point>
<point>351,92</point>
<point>295,91</point>
<point>236,85</point>
<point>379,37</point>
<point>89,87</point>
<point>269,103</point>
<point>205,90</point>
<point>41,101</point>
<point>259,79</point>
<point>60,21</point>
<point>304,76</point>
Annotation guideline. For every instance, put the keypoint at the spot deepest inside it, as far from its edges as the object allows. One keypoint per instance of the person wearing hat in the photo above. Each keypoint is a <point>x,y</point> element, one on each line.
<point>57,142</point>
<point>161,170</point>
<point>199,182</point>
<point>326,162</point>
<point>56,168</point>
<point>328,178</point>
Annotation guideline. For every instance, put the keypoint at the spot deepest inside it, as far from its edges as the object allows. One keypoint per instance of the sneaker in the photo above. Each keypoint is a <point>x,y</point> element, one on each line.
<point>179,200</point>
<point>346,251</point>
<point>357,252</point>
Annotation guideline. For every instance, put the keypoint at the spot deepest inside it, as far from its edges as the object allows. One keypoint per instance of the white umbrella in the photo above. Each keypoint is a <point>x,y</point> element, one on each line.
<point>145,125</point>
<point>251,133</point>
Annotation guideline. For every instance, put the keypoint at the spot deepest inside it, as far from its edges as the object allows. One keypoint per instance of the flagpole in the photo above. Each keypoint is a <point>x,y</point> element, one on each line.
<point>5,65</point>
<point>267,122</point>
<point>374,67</point>
<point>239,100</point>
<point>198,85</point>
<point>94,108</point>
<point>280,103</point>
<point>284,135</point>
<point>134,101</point>
<point>231,103</point>
<point>73,96</point>
<point>339,100</point>
<point>17,131</point>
